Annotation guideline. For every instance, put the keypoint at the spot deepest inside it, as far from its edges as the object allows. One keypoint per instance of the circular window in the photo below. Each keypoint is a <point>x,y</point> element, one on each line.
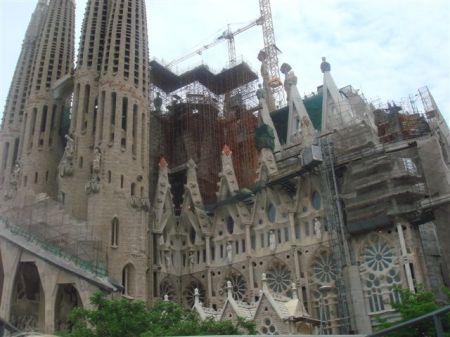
<point>166,288</point>
<point>279,278</point>
<point>230,225</point>
<point>323,269</point>
<point>316,201</point>
<point>379,256</point>
<point>189,293</point>
<point>239,286</point>
<point>271,213</point>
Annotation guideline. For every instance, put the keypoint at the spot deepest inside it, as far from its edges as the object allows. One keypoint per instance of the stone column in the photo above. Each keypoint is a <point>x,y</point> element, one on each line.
<point>10,258</point>
<point>405,257</point>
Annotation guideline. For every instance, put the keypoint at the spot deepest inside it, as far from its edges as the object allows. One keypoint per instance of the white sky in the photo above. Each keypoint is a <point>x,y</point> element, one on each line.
<point>388,49</point>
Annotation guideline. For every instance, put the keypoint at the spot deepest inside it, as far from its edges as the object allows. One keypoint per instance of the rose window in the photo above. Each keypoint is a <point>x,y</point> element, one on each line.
<point>324,270</point>
<point>378,256</point>
<point>189,293</point>
<point>279,278</point>
<point>167,289</point>
<point>239,286</point>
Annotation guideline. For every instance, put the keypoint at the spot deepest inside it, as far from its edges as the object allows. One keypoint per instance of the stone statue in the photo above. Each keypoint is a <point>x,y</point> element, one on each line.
<point>325,66</point>
<point>229,252</point>
<point>97,160</point>
<point>191,259</point>
<point>16,173</point>
<point>93,185</point>
<point>69,150</point>
<point>317,228</point>
<point>262,57</point>
<point>272,240</point>
<point>168,259</point>
<point>157,102</point>
<point>289,78</point>
<point>260,93</point>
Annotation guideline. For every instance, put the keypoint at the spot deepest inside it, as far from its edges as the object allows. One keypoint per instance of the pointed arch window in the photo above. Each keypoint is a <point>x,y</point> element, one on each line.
<point>271,212</point>
<point>115,232</point>
<point>230,225</point>
<point>128,280</point>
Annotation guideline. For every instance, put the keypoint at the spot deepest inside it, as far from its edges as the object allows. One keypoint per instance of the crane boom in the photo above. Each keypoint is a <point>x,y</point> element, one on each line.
<point>226,35</point>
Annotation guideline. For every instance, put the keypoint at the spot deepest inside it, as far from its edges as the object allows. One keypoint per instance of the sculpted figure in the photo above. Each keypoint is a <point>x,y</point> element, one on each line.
<point>229,252</point>
<point>272,240</point>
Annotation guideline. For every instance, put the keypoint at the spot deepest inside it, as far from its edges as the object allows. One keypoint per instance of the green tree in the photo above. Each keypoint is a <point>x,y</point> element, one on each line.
<point>125,318</point>
<point>412,305</point>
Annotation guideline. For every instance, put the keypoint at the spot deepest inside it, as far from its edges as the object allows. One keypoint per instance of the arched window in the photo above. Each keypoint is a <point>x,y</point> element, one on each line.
<point>115,232</point>
<point>271,212</point>
<point>128,280</point>
<point>230,225</point>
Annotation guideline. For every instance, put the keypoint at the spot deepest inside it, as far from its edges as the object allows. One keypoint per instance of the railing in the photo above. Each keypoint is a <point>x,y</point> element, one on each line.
<point>95,267</point>
<point>434,315</point>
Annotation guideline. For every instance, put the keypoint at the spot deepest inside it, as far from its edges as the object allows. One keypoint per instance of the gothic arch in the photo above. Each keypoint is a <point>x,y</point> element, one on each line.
<point>67,298</point>
<point>322,288</point>
<point>380,272</point>
<point>28,299</point>
<point>189,291</point>
<point>129,280</point>
<point>167,287</point>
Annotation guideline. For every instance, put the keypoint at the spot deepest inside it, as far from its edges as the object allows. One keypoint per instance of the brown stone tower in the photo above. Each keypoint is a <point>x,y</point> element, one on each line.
<point>17,98</point>
<point>118,185</point>
<point>41,136</point>
<point>75,168</point>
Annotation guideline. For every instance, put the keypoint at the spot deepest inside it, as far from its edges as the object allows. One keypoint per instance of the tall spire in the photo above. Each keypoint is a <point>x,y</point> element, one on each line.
<point>18,95</point>
<point>41,141</point>
<point>85,122</point>
<point>121,119</point>
<point>336,109</point>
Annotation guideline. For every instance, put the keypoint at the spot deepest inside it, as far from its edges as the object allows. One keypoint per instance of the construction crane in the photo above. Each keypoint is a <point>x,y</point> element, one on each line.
<point>226,35</point>
<point>271,51</point>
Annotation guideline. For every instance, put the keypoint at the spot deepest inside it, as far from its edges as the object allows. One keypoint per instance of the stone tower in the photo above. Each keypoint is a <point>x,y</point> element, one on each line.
<point>118,184</point>
<point>41,137</point>
<point>17,97</point>
<point>75,168</point>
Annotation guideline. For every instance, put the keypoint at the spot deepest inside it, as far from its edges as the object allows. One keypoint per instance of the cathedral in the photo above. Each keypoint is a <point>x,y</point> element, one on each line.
<point>229,193</point>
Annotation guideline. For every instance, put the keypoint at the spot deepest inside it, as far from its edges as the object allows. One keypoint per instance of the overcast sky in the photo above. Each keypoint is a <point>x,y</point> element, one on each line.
<point>386,48</point>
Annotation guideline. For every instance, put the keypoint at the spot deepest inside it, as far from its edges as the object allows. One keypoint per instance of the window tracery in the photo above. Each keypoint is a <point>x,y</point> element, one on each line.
<point>380,273</point>
<point>239,286</point>
<point>279,278</point>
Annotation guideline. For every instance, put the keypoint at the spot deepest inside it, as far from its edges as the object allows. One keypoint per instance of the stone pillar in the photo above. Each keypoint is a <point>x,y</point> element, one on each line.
<point>355,300</point>
<point>10,258</point>
<point>405,257</point>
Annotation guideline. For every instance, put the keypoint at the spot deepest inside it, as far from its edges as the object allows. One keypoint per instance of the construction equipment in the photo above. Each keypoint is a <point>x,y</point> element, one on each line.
<point>226,35</point>
<point>271,50</point>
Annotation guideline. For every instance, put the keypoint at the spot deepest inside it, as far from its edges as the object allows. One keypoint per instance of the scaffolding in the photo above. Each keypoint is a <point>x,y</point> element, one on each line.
<point>198,113</point>
<point>336,228</point>
<point>46,224</point>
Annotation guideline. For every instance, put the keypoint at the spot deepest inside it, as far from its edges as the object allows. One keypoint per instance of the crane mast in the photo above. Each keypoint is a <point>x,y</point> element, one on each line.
<point>271,50</point>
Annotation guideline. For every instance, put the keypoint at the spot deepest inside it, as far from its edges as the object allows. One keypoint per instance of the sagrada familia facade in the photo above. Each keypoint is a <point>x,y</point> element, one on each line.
<point>117,174</point>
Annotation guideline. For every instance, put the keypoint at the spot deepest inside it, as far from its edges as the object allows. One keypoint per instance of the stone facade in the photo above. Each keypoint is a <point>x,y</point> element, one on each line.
<point>334,219</point>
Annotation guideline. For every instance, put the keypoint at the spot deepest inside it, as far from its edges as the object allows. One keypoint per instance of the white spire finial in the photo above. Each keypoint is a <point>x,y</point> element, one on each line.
<point>294,291</point>
<point>264,282</point>
<point>229,289</point>
<point>196,296</point>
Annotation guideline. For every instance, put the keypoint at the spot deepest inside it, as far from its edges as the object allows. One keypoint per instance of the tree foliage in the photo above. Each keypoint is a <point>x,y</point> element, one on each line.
<point>126,318</point>
<point>415,304</point>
